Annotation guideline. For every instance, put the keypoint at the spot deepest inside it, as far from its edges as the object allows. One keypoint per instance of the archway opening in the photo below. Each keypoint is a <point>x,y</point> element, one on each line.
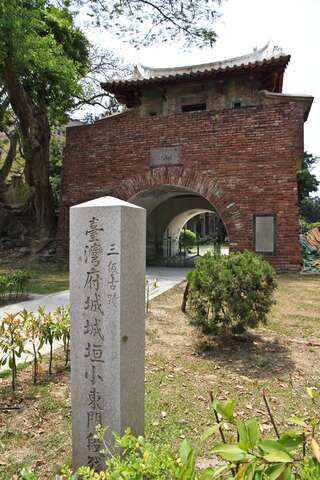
<point>170,210</point>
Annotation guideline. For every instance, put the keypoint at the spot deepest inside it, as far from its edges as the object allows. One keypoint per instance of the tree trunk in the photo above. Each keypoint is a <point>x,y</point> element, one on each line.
<point>35,133</point>
<point>36,151</point>
<point>11,155</point>
<point>50,358</point>
<point>185,298</point>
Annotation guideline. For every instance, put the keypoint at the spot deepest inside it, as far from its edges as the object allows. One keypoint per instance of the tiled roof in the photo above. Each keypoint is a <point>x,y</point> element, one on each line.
<point>125,85</point>
<point>259,60</point>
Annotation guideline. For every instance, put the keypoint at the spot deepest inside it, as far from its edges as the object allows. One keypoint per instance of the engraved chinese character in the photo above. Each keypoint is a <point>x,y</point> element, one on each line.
<point>93,329</point>
<point>93,376</point>
<point>112,299</point>
<point>94,352</point>
<point>93,280</point>
<point>95,462</point>
<point>94,304</point>
<point>113,271</point>
<point>93,253</point>
<point>112,249</point>
<point>93,444</point>
<point>95,400</point>
<point>94,418</point>
<point>94,229</point>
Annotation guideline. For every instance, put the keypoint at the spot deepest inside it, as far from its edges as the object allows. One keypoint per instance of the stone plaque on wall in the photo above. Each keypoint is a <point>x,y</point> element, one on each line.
<point>264,231</point>
<point>165,156</point>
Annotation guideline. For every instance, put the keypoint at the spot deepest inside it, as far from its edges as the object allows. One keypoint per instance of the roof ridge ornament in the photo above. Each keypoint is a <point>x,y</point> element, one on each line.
<point>272,50</point>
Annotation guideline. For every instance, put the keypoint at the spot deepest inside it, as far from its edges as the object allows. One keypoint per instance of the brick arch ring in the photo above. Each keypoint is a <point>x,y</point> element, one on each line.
<point>203,184</point>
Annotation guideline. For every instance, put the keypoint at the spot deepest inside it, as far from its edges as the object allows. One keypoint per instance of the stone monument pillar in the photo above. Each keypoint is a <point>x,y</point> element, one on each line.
<point>107,294</point>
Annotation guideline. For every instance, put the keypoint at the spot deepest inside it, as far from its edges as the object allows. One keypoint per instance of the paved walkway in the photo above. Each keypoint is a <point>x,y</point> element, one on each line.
<point>166,278</point>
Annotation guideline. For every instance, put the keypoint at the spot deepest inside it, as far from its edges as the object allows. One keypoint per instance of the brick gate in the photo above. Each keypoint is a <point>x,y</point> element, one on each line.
<point>225,133</point>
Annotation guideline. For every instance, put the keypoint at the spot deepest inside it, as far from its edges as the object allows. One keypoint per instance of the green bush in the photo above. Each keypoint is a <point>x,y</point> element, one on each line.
<point>234,292</point>
<point>187,239</point>
<point>305,226</point>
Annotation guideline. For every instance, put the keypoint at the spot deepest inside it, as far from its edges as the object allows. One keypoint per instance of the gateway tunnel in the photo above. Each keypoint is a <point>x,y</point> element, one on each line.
<point>170,211</point>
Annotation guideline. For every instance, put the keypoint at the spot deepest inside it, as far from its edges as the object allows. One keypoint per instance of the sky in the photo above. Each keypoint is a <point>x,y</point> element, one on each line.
<point>294,25</point>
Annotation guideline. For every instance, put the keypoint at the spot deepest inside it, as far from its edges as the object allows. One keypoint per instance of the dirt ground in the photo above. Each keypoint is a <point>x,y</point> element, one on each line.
<point>182,368</point>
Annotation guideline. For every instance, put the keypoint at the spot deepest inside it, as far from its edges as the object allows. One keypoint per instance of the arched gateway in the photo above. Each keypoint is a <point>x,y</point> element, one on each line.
<point>218,137</point>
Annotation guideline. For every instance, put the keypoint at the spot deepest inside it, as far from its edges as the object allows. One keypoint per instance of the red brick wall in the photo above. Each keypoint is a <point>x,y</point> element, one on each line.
<point>244,161</point>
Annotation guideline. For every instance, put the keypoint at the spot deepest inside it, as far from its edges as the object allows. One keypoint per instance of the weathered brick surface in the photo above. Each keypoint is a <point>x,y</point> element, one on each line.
<point>243,161</point>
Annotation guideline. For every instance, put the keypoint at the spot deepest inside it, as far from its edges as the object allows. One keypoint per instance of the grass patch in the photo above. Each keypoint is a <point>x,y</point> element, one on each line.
<point>182,368</point>
<point>45,278</point>
<point>7,372</point>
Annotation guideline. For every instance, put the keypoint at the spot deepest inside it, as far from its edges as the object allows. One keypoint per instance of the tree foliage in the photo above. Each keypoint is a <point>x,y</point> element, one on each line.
<point>57,143</point>
<point>307,181</point>
<point>187,238</point>
<point>310,209</point>
<point>43,57</point>
<point>47,53</point>
<point>142,22</point>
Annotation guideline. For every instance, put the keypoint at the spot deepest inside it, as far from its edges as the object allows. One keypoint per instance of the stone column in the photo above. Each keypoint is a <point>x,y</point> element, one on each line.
<point>107,294</point>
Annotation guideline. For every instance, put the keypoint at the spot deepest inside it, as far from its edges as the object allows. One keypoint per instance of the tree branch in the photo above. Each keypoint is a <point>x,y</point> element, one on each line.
<point>11,155</point>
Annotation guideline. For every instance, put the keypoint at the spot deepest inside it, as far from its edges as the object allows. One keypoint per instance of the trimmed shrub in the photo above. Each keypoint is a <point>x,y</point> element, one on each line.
<point>187,239</point>
<point>232,292</point>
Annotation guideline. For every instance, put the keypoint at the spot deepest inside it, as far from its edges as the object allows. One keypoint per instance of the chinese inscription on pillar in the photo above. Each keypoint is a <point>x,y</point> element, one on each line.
<point>93,313</point>
<point>107,329</point>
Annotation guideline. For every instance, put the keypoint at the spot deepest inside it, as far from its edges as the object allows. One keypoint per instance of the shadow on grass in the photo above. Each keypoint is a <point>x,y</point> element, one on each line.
<point>252,355</point>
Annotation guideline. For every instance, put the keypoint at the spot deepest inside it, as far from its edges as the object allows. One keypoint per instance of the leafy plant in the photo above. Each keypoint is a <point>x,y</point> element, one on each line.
<point>248,453</point>
<point>234,291</point>
<point>62,318</point>
<point>141,460</point>
<point>12,341</point>
<point>311,469</point>
<point>19,280</point>
<point>26,474</point>
<point>251,458</point>
<point>32,327</point>
<point>13,284</point>
<point>21,328</point>
<point>49,331</point>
